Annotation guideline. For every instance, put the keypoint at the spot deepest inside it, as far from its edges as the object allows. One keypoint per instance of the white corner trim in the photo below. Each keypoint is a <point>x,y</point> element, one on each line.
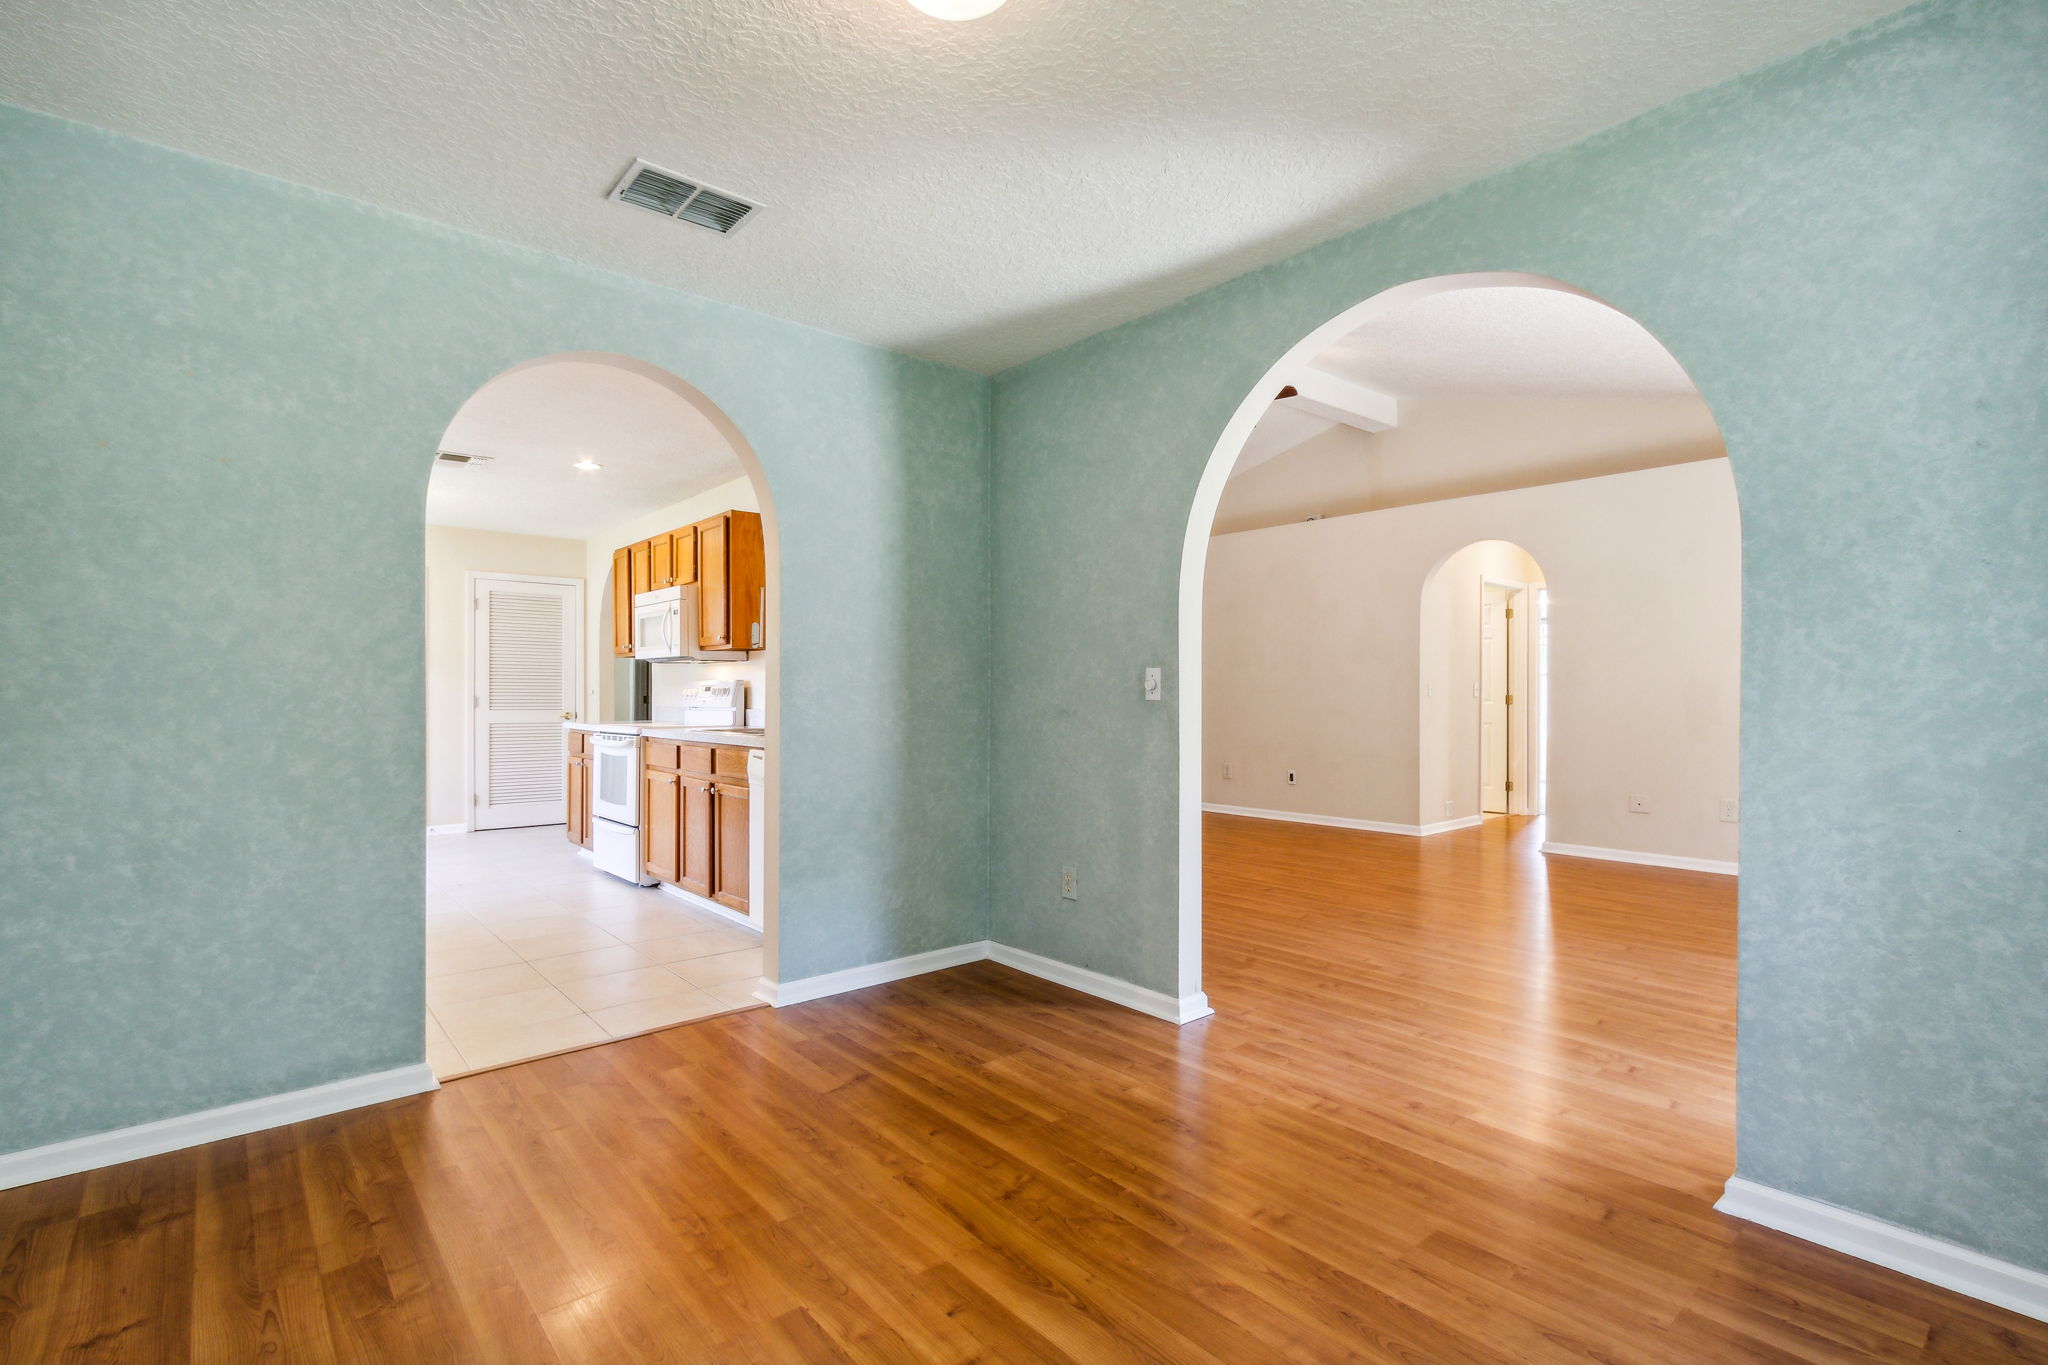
<point>1158,1004</point>
<point>738,920</point>
<point>1143,999</point>
<point>447,829</point>
<point>1912,1253</point>
<point>211,1125</point>
<point>1446,826</point>
<point>1295,817</point>
<point>1623,855</point>
<point>781,993</point>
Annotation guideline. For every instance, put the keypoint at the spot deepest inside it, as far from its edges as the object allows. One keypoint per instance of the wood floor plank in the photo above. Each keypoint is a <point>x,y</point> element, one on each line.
<point>1460,1104</point>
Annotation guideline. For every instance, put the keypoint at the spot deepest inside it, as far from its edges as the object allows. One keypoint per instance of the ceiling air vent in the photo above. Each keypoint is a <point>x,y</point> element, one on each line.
<point>673,196</point>
<point>461,461</point>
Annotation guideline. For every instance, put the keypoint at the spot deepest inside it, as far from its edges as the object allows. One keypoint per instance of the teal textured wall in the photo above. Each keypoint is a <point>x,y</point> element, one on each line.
<point>219,399</point>
<point>1846,252</point>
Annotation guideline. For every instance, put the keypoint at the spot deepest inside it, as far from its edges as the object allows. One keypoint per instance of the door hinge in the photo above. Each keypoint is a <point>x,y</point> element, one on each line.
<point>1511,613</point>
<point>1511,699</point>
<point>1511,784</point>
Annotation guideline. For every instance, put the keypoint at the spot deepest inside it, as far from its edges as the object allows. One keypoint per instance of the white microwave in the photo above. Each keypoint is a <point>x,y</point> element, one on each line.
<point>665,627</point>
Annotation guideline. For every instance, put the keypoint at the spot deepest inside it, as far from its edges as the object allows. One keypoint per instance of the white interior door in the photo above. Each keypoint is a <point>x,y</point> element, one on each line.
<point>1494,682</point>
<point>524,683</point>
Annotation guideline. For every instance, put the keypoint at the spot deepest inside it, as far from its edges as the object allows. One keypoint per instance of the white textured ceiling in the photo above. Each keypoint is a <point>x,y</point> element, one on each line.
<point>536,420</point>
<point>974,192</point>
<point>1506,342</point>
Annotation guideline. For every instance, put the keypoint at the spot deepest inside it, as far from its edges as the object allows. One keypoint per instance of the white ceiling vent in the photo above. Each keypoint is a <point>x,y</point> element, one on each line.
<point>675,196</point>
<point>461,461</point>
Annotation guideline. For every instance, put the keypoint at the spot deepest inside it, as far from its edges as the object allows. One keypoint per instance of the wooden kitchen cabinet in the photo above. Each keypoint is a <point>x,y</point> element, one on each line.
<point>643,566</point>
<point>694,822</point>
<point>724,555</point>
<point>732,582</point>
<point>661,560</point>
<point>622,602</point>
<point>729,814</point>
<point>698,863</point>
<point>579,788</point>
<point>661,824</point>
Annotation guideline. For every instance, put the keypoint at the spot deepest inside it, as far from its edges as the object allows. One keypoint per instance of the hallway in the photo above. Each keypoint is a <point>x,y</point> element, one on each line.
<point>1455,1106</point>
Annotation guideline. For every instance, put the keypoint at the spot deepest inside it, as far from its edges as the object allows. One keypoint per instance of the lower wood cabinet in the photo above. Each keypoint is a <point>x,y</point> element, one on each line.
<point>693,822</point>
<point>697,864</point>
<point>729,868</point>
<point>660,819</point>
<point>579,788</point>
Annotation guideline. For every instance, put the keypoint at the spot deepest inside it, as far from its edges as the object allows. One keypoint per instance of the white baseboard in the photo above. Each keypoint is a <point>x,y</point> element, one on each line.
<point>211,1125</point>
<point>1143,999</point>
<point>447,829</point>
<point>1446,826</point>
<point>1295,817</point>
<point>706,903</point>
<point>780,993</point>
<point>1624,855</point>
<point>1910,1253</point>
<point>1158,1004</point>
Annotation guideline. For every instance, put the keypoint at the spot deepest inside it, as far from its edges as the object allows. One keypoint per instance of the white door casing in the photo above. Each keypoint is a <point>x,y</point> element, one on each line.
<point>1494,721</point>
<point>525,679</point>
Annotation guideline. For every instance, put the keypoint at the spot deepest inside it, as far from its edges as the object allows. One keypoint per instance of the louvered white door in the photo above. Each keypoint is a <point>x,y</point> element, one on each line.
<point>524,634</point>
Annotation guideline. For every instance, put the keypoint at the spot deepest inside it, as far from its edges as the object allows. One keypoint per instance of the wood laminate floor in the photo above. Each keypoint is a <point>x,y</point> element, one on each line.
<point>1456,1106</point>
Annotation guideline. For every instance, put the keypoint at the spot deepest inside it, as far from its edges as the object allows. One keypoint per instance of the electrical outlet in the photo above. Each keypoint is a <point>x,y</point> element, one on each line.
<point>1639,805</point>
<point>1290,777</point>
<point>1070,889</point>
<point>1731,811</point>
<point>1226,772</point>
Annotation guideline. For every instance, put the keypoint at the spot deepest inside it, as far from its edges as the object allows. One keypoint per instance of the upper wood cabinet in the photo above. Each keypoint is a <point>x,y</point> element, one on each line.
<point>622,602</point>
<point>732,582</point>
<point>643,566</point>
<point>724,555</point>
<point>661,559</point>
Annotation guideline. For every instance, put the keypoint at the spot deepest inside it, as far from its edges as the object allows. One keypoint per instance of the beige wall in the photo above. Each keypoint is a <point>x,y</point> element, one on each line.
<point>1453,448</point>
<point>1313,656</point>
<point>453,552</point>
<point>601,701</point>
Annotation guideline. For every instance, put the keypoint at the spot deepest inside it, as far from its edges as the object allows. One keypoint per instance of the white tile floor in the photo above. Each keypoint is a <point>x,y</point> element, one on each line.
<point>532,951</point>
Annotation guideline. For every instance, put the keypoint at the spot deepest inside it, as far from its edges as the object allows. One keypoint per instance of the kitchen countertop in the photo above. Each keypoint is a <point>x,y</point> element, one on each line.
<point>694,734</point>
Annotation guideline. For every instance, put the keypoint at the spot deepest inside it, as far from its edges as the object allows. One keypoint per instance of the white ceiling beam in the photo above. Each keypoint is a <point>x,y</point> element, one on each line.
<point>1334,399</point>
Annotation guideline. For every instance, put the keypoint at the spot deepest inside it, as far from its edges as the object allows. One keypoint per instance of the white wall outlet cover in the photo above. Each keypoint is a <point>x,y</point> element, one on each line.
<point>1152,684</point>
<point>1290,777</point>
<point>1731,810</point>
<point>1226,772</point>
<point>1069,884</point>
<point>1639,805</point>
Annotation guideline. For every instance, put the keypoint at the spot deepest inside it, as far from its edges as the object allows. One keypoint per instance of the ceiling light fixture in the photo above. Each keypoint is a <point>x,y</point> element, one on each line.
<point>958,9</point>
<point>585,462</point>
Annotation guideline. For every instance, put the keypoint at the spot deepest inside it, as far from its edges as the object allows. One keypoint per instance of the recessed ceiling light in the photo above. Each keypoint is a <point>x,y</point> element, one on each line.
<point>958,9</point>
<point>587,463</point>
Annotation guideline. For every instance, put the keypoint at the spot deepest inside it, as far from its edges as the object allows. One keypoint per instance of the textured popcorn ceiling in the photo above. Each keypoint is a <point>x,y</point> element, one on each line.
<point>1507,342</point>
<point>978,193</point>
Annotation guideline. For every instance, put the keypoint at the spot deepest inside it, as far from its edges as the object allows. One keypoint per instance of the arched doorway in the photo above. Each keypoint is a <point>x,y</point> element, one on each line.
<point>555,485</point>
<point>1697,616</point>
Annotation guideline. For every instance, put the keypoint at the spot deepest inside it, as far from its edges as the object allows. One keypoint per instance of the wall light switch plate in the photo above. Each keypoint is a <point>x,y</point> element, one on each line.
<point>1731,811</point>
<point>1226,772</point>
<point>1070,889</point>
<point>1152,684</point>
